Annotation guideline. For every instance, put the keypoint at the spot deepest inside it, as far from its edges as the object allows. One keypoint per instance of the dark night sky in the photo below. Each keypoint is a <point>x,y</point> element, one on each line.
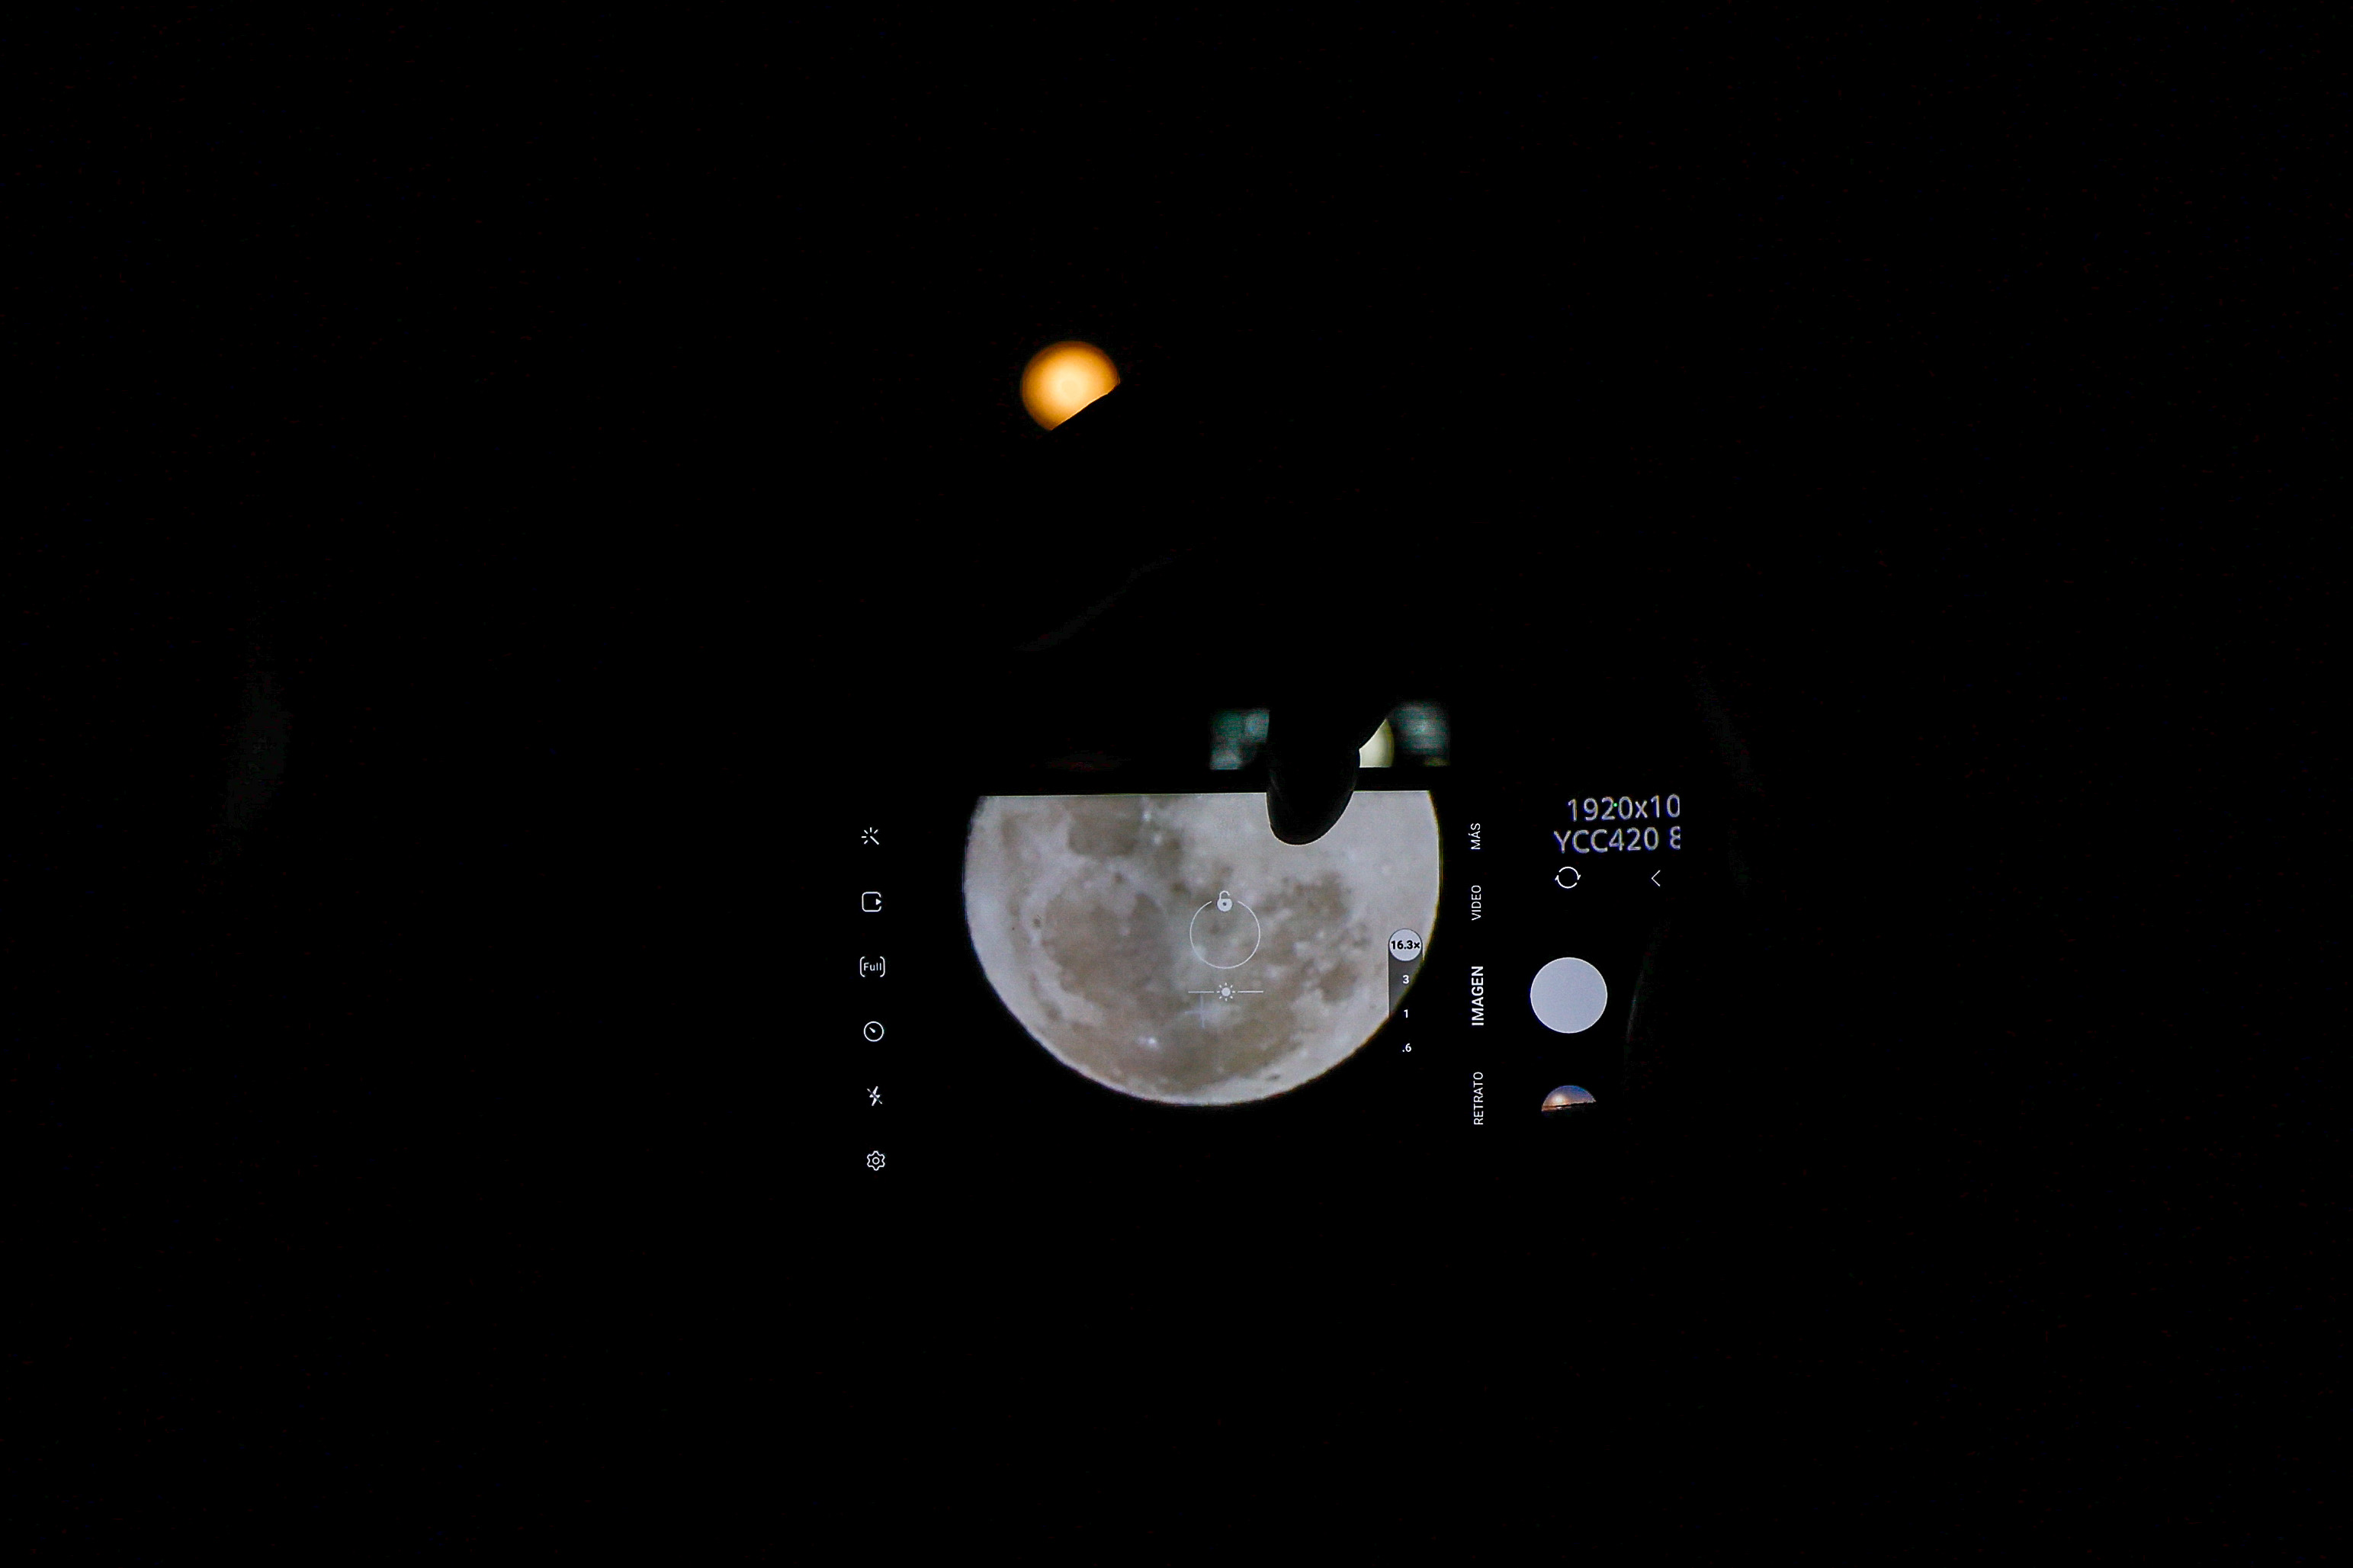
<point>572,419</point>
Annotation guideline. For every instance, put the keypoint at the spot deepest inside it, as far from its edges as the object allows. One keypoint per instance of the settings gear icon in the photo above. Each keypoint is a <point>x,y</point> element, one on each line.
<point>874,1160</point>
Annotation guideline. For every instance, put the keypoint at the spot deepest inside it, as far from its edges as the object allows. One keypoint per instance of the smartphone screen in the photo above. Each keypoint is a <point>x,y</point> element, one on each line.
<point>1094,980</point>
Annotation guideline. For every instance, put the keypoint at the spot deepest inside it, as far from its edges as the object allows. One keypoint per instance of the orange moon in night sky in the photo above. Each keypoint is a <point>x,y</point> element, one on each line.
<point>1063,378</point>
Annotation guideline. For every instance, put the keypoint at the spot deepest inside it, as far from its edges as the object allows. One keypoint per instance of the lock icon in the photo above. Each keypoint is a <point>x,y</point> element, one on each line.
<point>1225,902</point>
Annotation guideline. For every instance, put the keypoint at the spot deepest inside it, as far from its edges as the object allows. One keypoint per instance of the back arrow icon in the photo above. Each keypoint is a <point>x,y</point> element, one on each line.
<point>1654,879</point>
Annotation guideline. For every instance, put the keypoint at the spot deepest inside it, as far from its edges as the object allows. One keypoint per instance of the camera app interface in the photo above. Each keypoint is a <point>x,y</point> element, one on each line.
<point>1114,982</point>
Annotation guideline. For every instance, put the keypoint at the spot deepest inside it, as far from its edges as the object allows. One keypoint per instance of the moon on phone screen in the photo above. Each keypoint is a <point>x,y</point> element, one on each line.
<point>1172,948</point>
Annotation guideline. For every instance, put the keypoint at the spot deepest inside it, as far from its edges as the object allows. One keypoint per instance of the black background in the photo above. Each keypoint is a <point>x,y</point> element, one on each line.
<point>604,431</point>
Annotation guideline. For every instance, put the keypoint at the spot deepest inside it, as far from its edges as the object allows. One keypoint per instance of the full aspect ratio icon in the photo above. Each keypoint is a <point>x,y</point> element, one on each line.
<point>872,903</point>
<point>874,1030</point>
<point>870,968</point>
